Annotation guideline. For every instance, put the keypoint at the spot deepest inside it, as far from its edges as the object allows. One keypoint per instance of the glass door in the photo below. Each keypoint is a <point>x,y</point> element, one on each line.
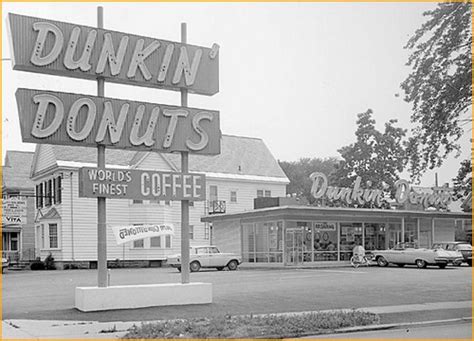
<point>294,246</point>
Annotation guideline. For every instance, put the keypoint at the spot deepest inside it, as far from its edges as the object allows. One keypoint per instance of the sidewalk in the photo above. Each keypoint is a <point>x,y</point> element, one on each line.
<point>36,329</point>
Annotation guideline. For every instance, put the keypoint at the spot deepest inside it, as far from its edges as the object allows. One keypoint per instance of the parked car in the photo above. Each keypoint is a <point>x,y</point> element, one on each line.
<point>409,253</point>
<point>5,264</point>
<point>464,248</point>
<point>207,257</point>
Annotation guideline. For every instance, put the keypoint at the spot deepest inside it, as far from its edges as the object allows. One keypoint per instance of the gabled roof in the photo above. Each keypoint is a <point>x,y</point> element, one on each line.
<point>16,171</point>
<point>239,155</point>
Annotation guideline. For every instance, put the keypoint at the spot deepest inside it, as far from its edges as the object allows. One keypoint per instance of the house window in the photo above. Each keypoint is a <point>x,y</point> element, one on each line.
<point>191,231</point>
<point>168,242</point>
<point>206,231</point>
<point>154,201</point>
<point>13,194</point>
<point>167,202</point>
<point>39,195</point>
<point>137,201</point>
<point>212,193</point>
<point>53,236</point>
<point>10,241</point>
<point>191,203</point>
<point>43,236</point>
<point>233,196</point>
<point>155,242</point>
<point>263,193</point>
<point>57,190</point>
<point>138,244</point>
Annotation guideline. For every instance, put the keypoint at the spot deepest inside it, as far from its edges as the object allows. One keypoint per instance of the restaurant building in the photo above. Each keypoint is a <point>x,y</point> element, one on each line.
<point>66,224</point>
<point>291,235</point>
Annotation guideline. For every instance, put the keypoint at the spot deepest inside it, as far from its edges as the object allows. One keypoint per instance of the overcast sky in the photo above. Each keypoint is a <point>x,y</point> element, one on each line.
<point>294,74</point>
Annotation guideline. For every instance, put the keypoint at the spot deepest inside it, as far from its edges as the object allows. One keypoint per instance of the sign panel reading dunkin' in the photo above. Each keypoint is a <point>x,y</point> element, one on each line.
<point>64,49</point>
<point>84,120</point>
<point>140,184</point>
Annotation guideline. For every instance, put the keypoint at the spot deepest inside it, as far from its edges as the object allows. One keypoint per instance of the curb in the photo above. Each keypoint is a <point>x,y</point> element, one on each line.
<point>397,325</point>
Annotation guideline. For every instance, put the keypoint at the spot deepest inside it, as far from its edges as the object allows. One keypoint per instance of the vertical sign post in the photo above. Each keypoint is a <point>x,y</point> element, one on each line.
<point>184,203</point>
<point>101,208</point>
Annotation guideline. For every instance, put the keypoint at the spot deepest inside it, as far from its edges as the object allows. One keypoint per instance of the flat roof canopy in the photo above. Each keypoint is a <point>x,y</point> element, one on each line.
<point>333,213</point>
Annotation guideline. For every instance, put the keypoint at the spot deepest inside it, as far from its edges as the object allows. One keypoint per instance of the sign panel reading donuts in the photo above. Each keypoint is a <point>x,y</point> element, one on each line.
<point>140,184</point>
<point>64,49</point>
<point>84,120</point>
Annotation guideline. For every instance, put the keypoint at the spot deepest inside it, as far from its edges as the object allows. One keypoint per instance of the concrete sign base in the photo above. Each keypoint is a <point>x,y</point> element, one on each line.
<point>140,296</point>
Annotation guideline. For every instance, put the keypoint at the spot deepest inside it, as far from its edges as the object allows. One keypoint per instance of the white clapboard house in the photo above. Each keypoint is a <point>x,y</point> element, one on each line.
<point>66,225</point>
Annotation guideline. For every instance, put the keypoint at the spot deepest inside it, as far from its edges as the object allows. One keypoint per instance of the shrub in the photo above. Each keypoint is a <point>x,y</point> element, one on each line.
<point>49,262</point>
<point>37,265</point>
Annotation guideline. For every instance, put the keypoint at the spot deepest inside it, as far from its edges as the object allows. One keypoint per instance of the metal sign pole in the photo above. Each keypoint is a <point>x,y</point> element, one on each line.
<point>101,208</point>
<point>184,203</point>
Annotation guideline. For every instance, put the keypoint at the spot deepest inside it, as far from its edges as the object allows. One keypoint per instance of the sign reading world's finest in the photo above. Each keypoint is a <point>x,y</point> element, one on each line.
<point>63,49</point>
<point>83,120</point>
<point>140,184</point>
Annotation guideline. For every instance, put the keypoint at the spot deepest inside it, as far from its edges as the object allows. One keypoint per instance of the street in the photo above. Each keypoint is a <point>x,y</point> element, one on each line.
<point>49,295</point>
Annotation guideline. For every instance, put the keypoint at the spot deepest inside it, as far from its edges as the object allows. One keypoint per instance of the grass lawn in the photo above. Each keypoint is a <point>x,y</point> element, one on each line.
<point>270,326</point>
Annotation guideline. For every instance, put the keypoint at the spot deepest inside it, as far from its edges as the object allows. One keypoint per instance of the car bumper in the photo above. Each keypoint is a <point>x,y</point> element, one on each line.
<point>441,260</point>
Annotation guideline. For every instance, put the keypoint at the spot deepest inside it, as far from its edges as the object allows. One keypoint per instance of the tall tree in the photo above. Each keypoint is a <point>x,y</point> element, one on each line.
<point>377,157</point>
<point>463,181</point>
<point>298,173</point>
<point>440,84</point>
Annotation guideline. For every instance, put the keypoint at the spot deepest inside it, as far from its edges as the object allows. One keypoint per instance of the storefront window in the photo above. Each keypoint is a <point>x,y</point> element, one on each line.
<point>324,241</point>
<point>394,235</point>
<point>351,235</point>
<point>275,242</point>
<point>374,238</point>
<point>410,233</point>
<point>248,246</point>
<point>262,242</point>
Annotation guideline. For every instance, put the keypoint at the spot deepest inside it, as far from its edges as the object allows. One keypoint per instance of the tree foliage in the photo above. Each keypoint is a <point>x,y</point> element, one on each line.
<point>439,86</point>
<point>463,181</point>
<point>377,157</point>
<point>298,173</point>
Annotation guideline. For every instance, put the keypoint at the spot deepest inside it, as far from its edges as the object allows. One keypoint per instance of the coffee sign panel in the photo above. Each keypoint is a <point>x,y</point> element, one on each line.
<point>84,120</point>
<point>141,184</point>
<point>64,49</point>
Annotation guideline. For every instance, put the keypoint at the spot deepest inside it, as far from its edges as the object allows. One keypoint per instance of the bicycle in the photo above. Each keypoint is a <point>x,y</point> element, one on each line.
<point>358,260</point>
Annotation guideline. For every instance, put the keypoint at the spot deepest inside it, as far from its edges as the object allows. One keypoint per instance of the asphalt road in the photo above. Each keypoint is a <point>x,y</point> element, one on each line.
<point>49,295</point>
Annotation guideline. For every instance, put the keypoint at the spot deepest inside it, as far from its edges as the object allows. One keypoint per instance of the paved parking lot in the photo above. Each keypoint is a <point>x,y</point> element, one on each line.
<point>50,294</point>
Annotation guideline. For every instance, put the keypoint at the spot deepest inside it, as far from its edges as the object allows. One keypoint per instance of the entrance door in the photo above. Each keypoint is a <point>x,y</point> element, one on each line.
<point>395,237</point>
<point>294,246</point>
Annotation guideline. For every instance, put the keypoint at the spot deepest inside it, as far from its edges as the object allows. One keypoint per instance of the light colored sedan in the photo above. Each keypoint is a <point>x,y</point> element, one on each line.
<point>207,257</point>
<point>454,256</point>
<point>409,253</point>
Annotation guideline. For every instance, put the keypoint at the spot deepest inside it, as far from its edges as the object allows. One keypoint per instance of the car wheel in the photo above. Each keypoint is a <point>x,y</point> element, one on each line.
<point>220,268</point>
<point>401,265</point>
<point>420,263</point>
<point>194,266</point>
<point>442,266</point>
<point>381,261</point>
<point>233,265</point>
